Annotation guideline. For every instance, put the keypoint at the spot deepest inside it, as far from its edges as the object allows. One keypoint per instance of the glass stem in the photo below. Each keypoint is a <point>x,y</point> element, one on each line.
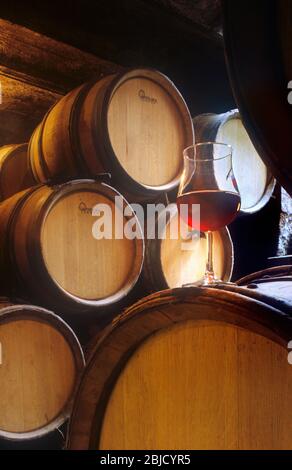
<point>209,274</point>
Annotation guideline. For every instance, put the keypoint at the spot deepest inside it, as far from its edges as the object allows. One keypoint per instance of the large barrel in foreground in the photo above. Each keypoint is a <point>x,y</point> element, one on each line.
<point>134,126</point>
<point>15,171</point>
<point>41,361</point>
<point>255,181</point>
<point>190,368</point>
<point>52,253</point>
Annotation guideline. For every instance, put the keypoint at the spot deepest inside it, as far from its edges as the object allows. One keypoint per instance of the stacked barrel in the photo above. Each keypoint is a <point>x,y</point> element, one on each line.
<point>121,138</point>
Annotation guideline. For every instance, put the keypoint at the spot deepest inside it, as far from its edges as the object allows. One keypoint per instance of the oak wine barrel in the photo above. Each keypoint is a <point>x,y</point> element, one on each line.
<point>255,181</point>
<point>189,368</point>
<point>41,361</point>
<point>50,253</point>
<point>15,172</point>
<point>258,52</point>
<point>271,285</point>
<point>134,125</point>
<point>176,257</point>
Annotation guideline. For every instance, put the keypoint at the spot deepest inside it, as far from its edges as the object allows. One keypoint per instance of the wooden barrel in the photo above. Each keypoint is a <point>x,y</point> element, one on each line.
<point>176,257</point>
<point>272,285</point>
<point>15,172</point>
<point>134,126</point>
<point>255,182</point>
<point>40,362</point>
<point>50,250</point>
<point>189,368</point>
<point>268,273</point>
<point>259,67</point>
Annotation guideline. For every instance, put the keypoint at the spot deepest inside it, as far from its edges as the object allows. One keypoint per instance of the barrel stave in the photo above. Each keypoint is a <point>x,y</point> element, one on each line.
<point>15,172</point>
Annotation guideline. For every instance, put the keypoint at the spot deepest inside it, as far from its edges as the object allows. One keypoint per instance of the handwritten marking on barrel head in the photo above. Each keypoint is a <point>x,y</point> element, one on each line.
<point>84,209</point>
<point>144,97</point>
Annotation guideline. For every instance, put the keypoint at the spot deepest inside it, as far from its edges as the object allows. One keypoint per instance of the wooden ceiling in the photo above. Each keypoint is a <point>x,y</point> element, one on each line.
<point>205,13</point>
<point>35,72</point>
<point>46,51</point>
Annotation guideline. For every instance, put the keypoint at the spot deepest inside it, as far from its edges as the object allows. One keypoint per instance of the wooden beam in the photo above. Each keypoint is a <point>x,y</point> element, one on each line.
<point>22,108</point>
<point>45,62</point>
<point>36,71</point>
<point>128,32</point>
<point>204,13</point>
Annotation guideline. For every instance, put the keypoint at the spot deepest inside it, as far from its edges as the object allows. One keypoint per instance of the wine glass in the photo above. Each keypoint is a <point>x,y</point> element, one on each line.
<point>208,180</point>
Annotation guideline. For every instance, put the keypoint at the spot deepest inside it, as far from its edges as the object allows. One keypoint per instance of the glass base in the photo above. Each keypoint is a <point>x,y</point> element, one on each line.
<point>210,283</point>
<point>210,279</point>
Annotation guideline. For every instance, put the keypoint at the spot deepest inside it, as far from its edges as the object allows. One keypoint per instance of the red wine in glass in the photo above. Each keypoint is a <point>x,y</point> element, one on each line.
<point>217,209</point>
<point>208,181</point>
